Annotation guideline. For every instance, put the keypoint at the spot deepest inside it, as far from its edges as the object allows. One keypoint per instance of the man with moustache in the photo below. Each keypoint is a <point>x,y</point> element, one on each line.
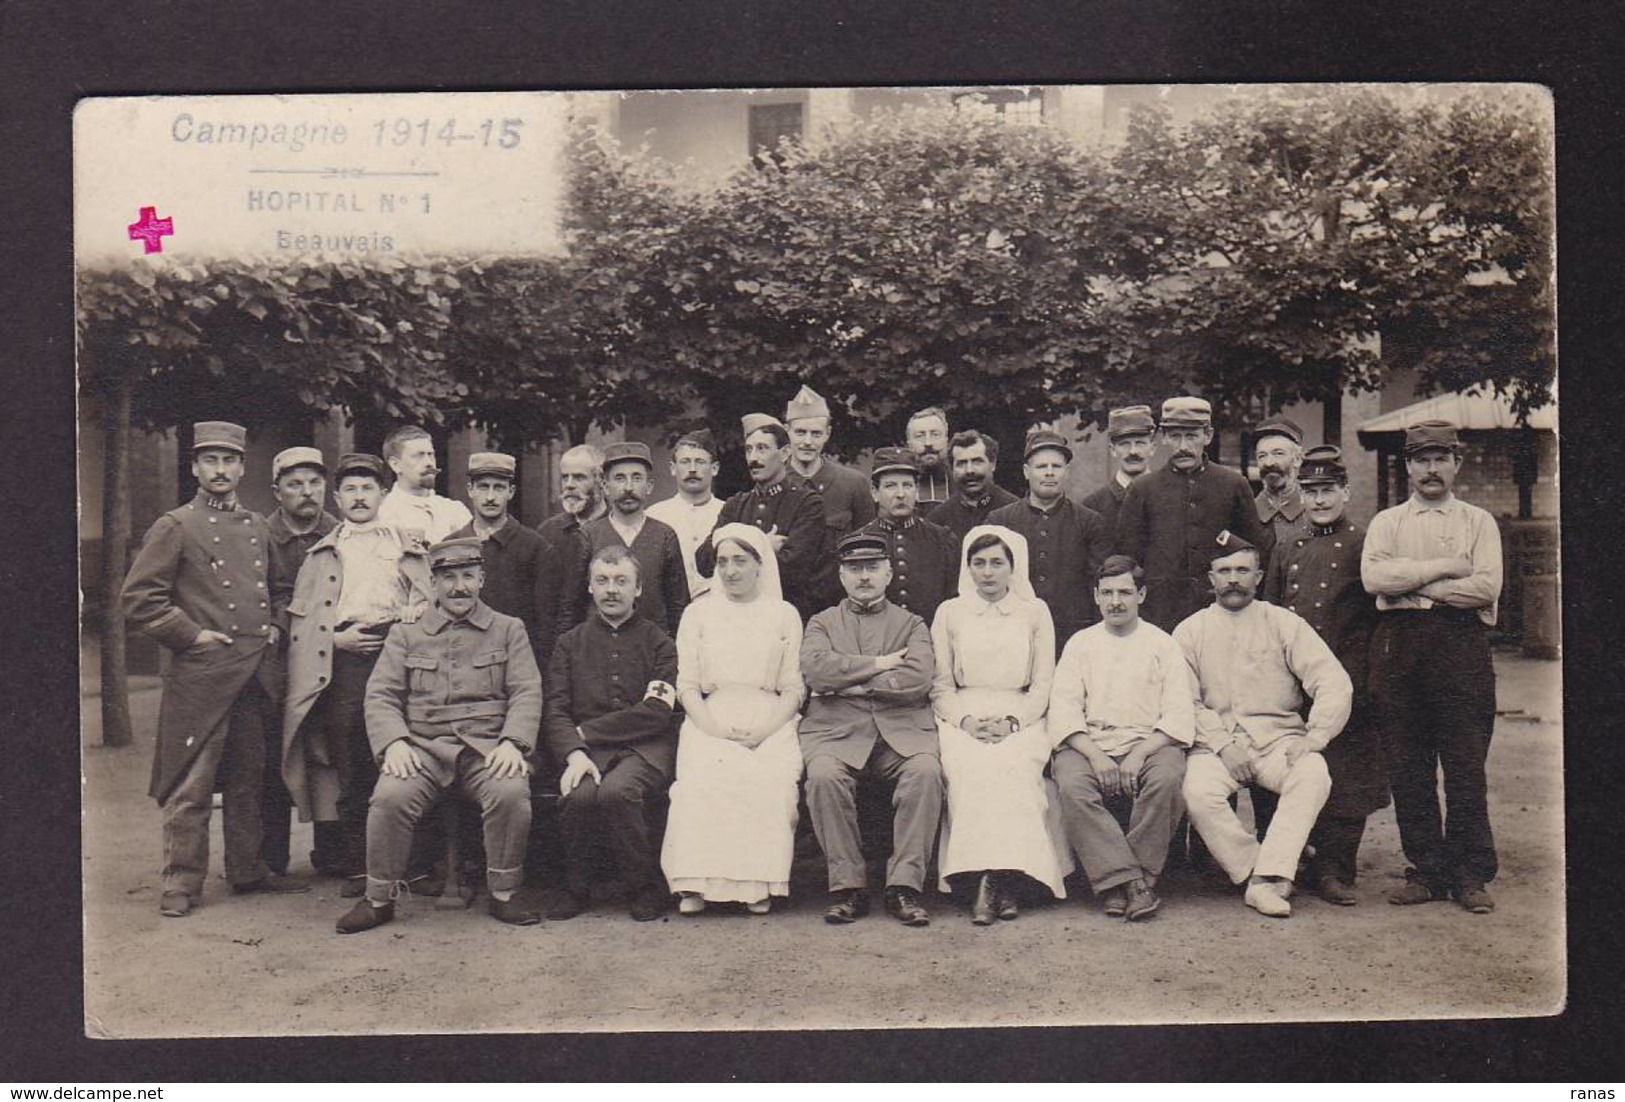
<point>926,435</point>
<point>454,704</point>
<point>847,503</point>
<point>412,504</point>
<point>1121,708</point>
<point>1172,516</point>
<point>522,570</point>
<point>869,665</point>
<point>299,481</point>
<point>1254,663</point>
<point>692,511</point>
<point>609,722</point>
<point>581,495</point>
<point>1278,449</point>
<point>924,556</point>
<point>355,584</point>
<point>792,518</point>
<point>1130,440</point>
<point>1318,577</point>
<point>198,586</point>
<point>663,592</point>
<point>1434,564</point>
<point>972,459</point>
<point>1066,542</point>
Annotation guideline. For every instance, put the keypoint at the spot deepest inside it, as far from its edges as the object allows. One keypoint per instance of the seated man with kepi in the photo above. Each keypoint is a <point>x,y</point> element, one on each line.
<point>1122,706</point>
<point>1254,662</point>
<point>611,691</point>
<point>869,665</point>
<point>454,703</point>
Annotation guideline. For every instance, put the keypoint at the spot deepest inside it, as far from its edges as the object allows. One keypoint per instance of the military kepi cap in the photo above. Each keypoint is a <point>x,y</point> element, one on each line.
<point>360,463</point>
<point>861,547</point>
<point>1130,421</point>
<point>1186,412</point>
<point>807,403</point>
<point>1279,426</point>
<point>754,422</point>
<point>289,458</point>
<point>1323,466</point>
<point>622,451</point>
<point>492,464</point>
<point>698,438</point>
<point>219,434</point>
<point>893,459</point>
<point>463,551</point>
<point>1227,544</point>
<point>1431,434</point>
<point>1039,439</point>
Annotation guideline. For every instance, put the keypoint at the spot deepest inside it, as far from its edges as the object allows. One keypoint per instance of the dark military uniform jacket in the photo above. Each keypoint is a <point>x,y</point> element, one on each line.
<point>612,690</point>
<point>935,489</point>
<point>924,563</point>
<point>662,576</point>
<point>838,651</point>
<point>1170,522</point>
<point>1317,575</point>
<point>1107,501</point>
<point>807,560</point>
<point>1282,524</point>
<point>523,573</point>
<point>960,516</point>
<point>1065,548</point>
<point>848,502</point>
<point>201,566</point>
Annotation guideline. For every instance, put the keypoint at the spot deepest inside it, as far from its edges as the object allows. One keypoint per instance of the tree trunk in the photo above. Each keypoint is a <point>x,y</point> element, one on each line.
<point>116,729</point>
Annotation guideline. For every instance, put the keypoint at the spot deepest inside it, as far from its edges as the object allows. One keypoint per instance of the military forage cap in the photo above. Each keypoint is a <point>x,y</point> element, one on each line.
<point>1323,466</point>
<point>219,434</point>
<point>1279,426</point>
<point>1431,434</point>
<point>464,551</point>
<point>289,458</point>
<point>893,459</point>
<point>1229,544</point>
<point>861,547</point>
<point>359,463</point>
<point>1039,439</point>
<point>753,422</point>
<point>1186,412</point>
<point>1129,421</point>
<point>498,464</point>
<point>807,403</point>
<point>623,450</point>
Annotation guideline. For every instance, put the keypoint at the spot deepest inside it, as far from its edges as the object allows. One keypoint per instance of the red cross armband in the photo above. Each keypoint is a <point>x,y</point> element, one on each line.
<point>661,691</point>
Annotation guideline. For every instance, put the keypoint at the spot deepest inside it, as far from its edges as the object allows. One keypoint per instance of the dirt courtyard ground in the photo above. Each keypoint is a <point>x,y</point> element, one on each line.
<point>256,966</point>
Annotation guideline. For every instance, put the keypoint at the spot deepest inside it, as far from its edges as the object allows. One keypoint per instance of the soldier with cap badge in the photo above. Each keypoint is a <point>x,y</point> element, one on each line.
<point>847,504</point>
<point>1131,440</point>
<point>924,555</point>
<point>199,587</point>
<point>1278,450</point>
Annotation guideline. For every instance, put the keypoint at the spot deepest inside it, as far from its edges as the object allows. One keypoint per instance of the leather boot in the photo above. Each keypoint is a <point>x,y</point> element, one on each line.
<point>982,911</point>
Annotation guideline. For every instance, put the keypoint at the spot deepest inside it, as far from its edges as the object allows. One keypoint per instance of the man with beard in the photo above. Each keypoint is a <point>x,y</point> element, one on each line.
<point>792,518</point>
<point>581,495</point>
<point>454,705</point>
<point>1434,563</point>
<point>663,589</point>
<point>924,556</point>
<point>355,584</point>
<point>522,570</point>
<point>1170,517</point>
<point>847,503</point>
<point>1254,663</point>
<point>972,459</point>
<point>1318,577</point>
<point>299,481</point>
<point>198,586</point>
<point>692,511</point>
<point>1065,541</point>
<point>1278,449</point>
<point>412,504</point>
<point>1129,436</point>
<point>927,437</point>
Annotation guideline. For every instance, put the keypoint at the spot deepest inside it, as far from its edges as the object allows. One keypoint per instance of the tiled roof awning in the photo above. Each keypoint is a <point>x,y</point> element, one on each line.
<point>1468,412</point>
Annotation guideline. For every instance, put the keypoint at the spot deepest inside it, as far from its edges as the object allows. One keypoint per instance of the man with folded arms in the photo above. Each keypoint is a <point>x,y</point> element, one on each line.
<point>1254,663</point>
<point>1122,702</point>
<point>453,704</point>
<point>869,664</point>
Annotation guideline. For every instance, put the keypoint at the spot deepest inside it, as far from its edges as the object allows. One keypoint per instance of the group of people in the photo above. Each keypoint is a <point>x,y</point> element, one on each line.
<point>1041,683</point>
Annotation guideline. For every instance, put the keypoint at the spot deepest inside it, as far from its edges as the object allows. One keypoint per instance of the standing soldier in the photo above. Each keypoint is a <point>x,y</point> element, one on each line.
<point>972,458</point>
<point>692,511</point>
<point>1130,436</point>
<point>581,494</point>
<point>1066,541</point>
<point>847,504</point>
<point>412,504</point>
<point>1278,448</point>
<point>924,555</point>
<point>1318,577</point>
<point>199,586</point>
<point>299,480</point>
<point>926,435</point>
<point>1434,563</point>
<point>1171,517</point>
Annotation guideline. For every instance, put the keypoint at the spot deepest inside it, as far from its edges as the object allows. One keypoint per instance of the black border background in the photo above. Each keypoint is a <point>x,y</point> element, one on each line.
<point>52,54</point>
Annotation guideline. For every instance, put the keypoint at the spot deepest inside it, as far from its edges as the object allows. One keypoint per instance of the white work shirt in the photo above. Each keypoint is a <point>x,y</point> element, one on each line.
<point>693,524</point>
<point>435,516</point>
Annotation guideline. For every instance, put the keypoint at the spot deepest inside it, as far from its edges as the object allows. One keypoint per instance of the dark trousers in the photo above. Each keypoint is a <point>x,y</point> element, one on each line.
<point>616,811</point>
<point>1336,842</point>
<point>342,846</point>
<point>1434,684</point>
<point>276,805</point>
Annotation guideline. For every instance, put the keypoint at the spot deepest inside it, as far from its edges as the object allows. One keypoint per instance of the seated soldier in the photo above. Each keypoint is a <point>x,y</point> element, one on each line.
<point>454,703</point>
<point>609,718</point>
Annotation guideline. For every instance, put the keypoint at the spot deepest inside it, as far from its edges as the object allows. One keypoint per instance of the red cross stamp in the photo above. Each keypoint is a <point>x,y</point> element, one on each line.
<point>151,230</point>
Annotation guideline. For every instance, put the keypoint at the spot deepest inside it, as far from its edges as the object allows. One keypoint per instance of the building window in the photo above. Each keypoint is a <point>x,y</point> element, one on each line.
<point>1018,106</point>
<point>771,123</point>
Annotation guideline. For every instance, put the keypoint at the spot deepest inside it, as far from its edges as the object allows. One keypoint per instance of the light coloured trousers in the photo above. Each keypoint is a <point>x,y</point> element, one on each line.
<point>1303,789</point>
